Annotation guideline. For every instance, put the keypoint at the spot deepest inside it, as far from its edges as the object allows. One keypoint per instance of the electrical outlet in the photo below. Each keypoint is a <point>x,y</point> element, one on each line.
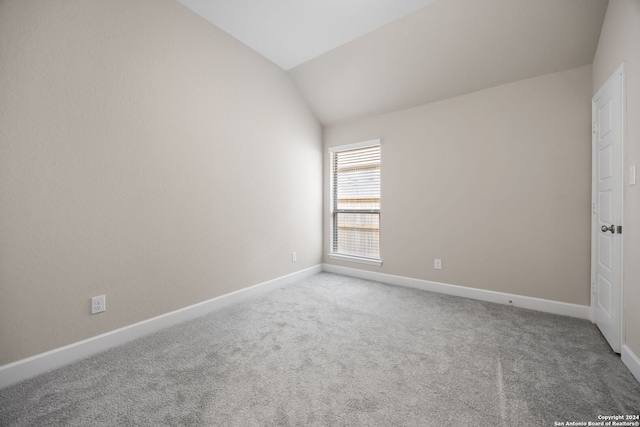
<point>294,257</point>
<point>437,264</point>
<point>98,304</point>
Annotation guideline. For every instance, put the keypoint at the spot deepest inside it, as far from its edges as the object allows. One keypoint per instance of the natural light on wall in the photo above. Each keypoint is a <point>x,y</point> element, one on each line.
<point>355,202</point>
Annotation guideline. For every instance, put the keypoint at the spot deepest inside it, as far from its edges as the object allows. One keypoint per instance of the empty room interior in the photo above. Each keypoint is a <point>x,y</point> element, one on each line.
<point>262,212</point>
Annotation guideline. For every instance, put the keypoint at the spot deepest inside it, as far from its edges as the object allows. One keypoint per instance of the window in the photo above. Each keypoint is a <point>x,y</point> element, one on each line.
<point>355,202</point>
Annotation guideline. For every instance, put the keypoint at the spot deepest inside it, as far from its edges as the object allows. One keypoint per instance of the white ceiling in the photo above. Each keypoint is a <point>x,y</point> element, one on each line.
<point>290,32</point>
<point>354,58</point>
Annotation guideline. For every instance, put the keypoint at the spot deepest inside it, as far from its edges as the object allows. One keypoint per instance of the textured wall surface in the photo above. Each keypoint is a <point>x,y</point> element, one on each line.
<point>496,183</point>
<point>145,155</point>
<point>620,42</point>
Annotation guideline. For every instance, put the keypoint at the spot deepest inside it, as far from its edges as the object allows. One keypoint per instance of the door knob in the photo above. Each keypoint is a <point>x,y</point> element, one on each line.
<point>611,229</point>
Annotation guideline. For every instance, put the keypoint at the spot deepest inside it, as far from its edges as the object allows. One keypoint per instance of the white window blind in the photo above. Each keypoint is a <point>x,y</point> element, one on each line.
<point>356,201</point>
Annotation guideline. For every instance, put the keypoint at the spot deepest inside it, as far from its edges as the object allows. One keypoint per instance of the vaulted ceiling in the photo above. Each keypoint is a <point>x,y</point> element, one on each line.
<point>357,58</point>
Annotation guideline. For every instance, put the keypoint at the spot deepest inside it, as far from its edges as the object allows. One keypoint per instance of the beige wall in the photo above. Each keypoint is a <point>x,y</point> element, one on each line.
<point>620,41</point>
<point>495,183</point>
<point>145,155</point>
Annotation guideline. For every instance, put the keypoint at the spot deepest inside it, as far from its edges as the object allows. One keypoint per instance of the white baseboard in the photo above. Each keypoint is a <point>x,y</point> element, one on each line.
<point>547,306</point>
<point>632,361</point>
<point>40,363</point>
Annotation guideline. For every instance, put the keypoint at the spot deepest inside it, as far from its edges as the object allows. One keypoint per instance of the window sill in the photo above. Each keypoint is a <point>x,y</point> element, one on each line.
<point>370,261</point>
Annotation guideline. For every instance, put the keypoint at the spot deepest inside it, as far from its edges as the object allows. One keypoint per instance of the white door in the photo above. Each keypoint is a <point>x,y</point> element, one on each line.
<point>606,234</point>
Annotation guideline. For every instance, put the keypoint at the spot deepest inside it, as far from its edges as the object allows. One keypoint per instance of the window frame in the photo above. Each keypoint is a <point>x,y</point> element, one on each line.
<point>332,212</point>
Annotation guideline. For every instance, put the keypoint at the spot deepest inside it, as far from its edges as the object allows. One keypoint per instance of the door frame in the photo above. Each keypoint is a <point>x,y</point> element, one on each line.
<point>620,72</point>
